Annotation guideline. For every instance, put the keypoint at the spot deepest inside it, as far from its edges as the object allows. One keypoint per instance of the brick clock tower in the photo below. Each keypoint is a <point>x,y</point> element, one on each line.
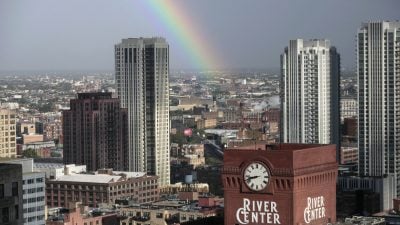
<point>287,184</point>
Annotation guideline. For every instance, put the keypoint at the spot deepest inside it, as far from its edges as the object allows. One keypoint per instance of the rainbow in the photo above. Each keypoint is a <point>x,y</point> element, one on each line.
<point>178,24</point>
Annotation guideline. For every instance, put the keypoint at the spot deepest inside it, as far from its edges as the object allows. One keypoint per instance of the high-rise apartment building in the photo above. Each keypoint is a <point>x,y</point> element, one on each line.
<point>96,132</point>
<point>378,68</point>
<point>141,74</point>
<point>7,133</point>
<point>310,92</point>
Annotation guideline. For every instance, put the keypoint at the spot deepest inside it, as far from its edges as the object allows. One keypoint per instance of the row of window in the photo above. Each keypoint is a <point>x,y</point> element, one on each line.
<point>12,116</point>
<point>33,190</point>
<point>32,200</point>
<point>6,128</point>
<point>34,218</point>
<point>32,181</point>
<point>34,209</point>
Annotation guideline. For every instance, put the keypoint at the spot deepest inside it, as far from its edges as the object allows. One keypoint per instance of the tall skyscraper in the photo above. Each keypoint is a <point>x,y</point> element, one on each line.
<point>141,74</point>
<point>310,92</point>
<point>8,146</point>
<point>96,132</point>
<point>378,68</point>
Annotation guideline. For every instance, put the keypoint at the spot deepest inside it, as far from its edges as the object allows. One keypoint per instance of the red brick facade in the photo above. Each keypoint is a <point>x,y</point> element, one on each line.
<point>301,188</point>
<point>141,190</point>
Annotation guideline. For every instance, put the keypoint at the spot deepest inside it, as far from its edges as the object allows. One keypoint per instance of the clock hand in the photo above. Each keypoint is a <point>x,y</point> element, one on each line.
<point>250,178</point>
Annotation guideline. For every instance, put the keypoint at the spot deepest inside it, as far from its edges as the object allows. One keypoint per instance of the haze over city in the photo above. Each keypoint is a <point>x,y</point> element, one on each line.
<point>206,34</point>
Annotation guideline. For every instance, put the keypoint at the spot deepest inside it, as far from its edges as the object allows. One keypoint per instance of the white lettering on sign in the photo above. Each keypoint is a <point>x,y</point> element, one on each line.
<point>315,209</point>
<point>260,212</point>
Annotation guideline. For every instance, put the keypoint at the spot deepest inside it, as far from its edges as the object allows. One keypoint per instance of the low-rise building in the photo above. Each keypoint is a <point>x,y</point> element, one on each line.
<point>178,187</point>
<point>25,127</point>
<point>384,187</point>
<point>361,220</point>
<point>53,130</point>
<point>192,149</point>
<point>105,186</point>
<point>31,138</point>
<point>348,155</point>
<point>79,214</point>
<point>194,160</point>
<point>166,212</point>
<point>191,154</point>
<point>206,123</point>
<point>56,170</point>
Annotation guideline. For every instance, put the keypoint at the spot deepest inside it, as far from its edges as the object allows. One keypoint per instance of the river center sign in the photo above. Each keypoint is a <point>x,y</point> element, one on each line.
<point>315,209</point>
<point>259,212</point>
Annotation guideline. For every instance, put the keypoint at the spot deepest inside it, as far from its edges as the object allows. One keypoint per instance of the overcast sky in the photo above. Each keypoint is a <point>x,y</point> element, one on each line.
<point>80,34</point>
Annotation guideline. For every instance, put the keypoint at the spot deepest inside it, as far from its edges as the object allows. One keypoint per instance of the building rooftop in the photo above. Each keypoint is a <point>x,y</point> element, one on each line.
<point>95,95</point>
<point>170,203</point>
<point>130,174</point>
<point>59,214</point>
<point>361,220</point>
<point>48,165</point>
<point>295,156</point>
<point>89,178</point>
<point>220,131</point>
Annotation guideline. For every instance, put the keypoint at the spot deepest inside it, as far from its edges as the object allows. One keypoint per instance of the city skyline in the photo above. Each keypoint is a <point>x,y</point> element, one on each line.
<point>275,112</point>
<point>179,22</point>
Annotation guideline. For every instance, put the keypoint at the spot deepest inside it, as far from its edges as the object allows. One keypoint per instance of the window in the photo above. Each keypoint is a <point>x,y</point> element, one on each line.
<point>1,191</point>
<point>16,209</point>
<point>5,212</point>
<point>14,188</point>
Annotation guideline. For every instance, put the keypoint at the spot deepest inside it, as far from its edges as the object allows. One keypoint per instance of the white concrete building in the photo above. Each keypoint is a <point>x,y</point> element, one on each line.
<point>141,74</point>
<point>56,170</point>
<point>33,188</point>
<point>378,68</point>
<point>310,92</point>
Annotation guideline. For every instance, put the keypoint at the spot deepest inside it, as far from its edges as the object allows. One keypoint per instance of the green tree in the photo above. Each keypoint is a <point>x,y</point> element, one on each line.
<point>178,138</point>
<point>48,107</point>
<point>55,154</point>
<point>30,153</point>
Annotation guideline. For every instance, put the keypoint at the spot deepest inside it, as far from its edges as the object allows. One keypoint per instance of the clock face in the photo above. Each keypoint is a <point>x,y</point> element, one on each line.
<point>256,176</point>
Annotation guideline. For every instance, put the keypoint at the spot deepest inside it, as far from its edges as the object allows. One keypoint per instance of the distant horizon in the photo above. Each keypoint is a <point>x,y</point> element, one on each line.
<point>202,35</point>
<point>172,70</point>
